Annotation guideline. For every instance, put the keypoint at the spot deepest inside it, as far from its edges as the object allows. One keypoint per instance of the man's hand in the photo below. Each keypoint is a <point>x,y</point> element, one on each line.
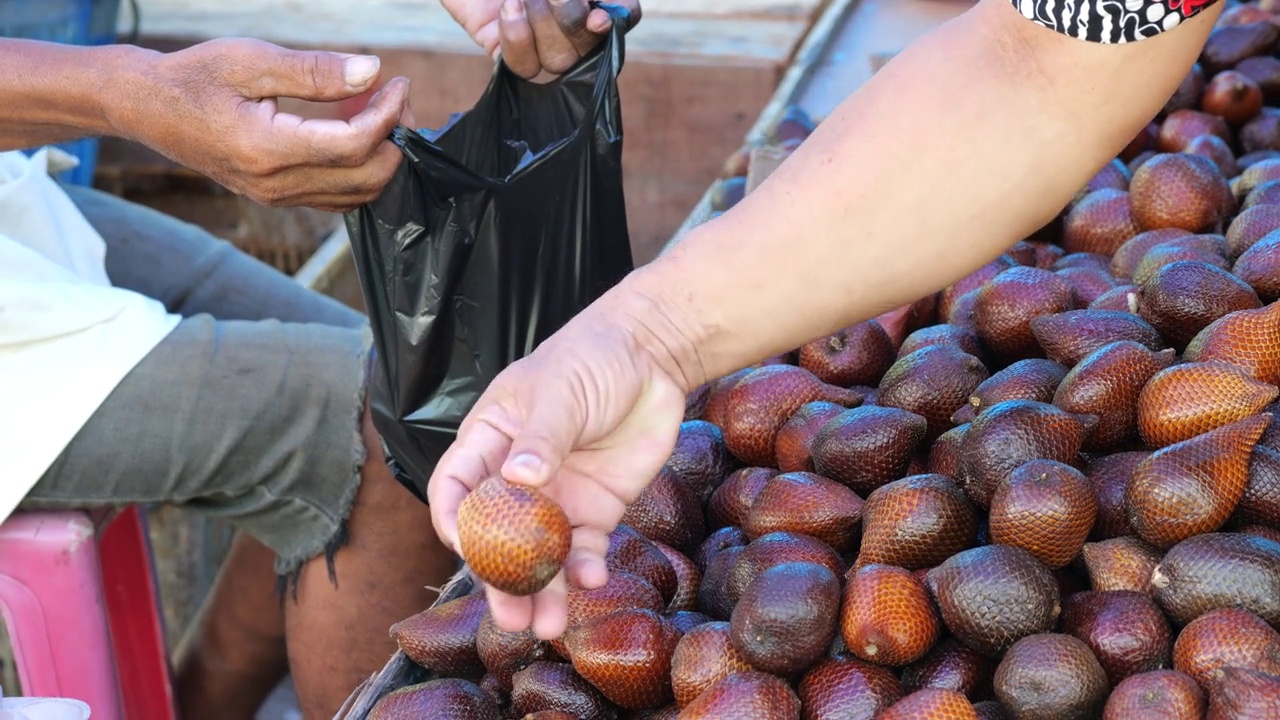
<point>212,107</point>
<point>533,36</point>
<point>589,417</point>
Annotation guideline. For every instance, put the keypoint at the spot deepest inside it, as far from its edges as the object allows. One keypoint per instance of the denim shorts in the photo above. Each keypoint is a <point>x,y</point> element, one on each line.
<point>249,411</point>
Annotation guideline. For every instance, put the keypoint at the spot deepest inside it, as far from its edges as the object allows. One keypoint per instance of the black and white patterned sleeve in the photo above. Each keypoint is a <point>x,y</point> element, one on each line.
<point>1110,21</point>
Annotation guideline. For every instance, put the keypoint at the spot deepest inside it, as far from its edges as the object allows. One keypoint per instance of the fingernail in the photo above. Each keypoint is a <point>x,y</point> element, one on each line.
<point>360,70</point>
<point>512,10</point>
<point>528,462</point>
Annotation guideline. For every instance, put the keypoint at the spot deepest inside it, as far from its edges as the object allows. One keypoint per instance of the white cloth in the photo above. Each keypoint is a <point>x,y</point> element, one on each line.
<point>42,709</point>
<point>67,337</point>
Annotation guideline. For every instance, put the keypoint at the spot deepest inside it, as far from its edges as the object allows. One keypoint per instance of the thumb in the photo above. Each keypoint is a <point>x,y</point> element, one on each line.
<point>310,74</point>
<point>542,444</point>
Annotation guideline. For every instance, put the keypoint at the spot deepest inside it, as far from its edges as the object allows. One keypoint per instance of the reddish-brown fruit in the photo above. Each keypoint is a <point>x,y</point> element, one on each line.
<point>1183,126</point>
<point>866,447</point>
<point>446,699</point>
<point>1006,306</point>
<point>931,703</point>
<point>703,657</point>
<point>695,403</point>
<point>786,618</point>
<point>667,511</point>
<point>887,617</point>
<point>626,655</point>
<point>1125,259</point>
<point>745,695</point>
<point>1141,142</point>
<point>840,688</point>
<point>700,459</point>
<point>688,579</point>
<point>916,523</point>
<point>504,652</point>
<point>1261,500</point>
<point>1237,693</point>
<point>1086,284</point>
<point>1140,159</point>
<point>1192,487</point>
<point>1092,261</point>
<point>1122,563</point>
<point>494,689</point>
<point>1259,266</point>
<point>1265,71</point>
<point>944,456</point>
<point>1249,159</point>
<point>1193,398</point>
<point>990,710</point>
<point>562,715</point>
<point>961,338</point>
<point>1186,96</point>
<point>1014,432</point>
<point>933,383</point>
<point>774,549</point>
<point>856,355</point>
<point>513,537</point>
<point>1259,173</point>
<point>725,537</point>
<point>1232,96</point>
<point>1051,676</point>
<point>1218,151</point>
<point>794,447</point>
<point>621,591</point>
<point>718,396</point>
<point>808,504</point>
<point>1178,190</point>
<point>763,400</point>
<point>1156,695</point>
<point>1031,379</point>
<point>1106,385</point>
<point>1121,298</point>
<point>1126,630</point>
<point>1046,253</point>
<point>713,593</point>
<point>1245,14</point>
<point>1071,336</point>
<point>1046,508</point>
<point>1249,339</point>
<point>1265,532</point>
<point>1227,46</point>
<point>685,620</point>
<point>1099,223</point>
<point>1109,476</point>
<point>1267,193</point>
<point>1219,570</point>
<point>555,687</point>
<point>1114,175</point>
<point>443,638</point>
<point>951,666</point>
<point>1262,132</point>
<point>974,280</point>
<point>1183,297</point>
<point>1251,226</point>
<point>1226,637</point>
<point>731,502</point>
<point>962,311</point>
<point>631,552</point>
<point>994,595</point>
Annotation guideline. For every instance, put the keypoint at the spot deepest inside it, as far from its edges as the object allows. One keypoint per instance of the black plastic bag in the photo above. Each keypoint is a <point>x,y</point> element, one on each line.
<point>496,230</point>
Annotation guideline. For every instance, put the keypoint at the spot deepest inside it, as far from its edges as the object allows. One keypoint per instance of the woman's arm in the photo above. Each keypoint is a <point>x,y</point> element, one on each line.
<point>966,142</point>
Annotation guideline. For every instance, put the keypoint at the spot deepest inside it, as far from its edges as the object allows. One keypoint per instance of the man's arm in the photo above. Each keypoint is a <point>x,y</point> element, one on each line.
<point>967,141</point>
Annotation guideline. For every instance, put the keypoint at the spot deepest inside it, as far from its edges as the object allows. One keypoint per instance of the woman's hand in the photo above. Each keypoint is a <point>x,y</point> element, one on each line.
<point>212,107</point>
<point>589,417</point>
<point>533,36</point>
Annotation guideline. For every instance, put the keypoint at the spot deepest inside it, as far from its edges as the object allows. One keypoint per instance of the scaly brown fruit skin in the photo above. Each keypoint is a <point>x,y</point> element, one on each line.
<point>1216,150</point>
<point>688,578</point>
<point>954,336</point>
<point>1262,132</point>
<point>1259,266</point>
<point>866,447</point>
<point>700,459</point>
<point>1187,96</point>
<point>785,619</point>
<point>886,616</point>
<point>1086,284</point>
<point>1261,500</point>
<point>1227,46</point>
<point>931,703</point>
<point>857,355</point>
<point>513,537</point>
<point>1046,508</point>
<point>503,653</point>
<point>1218,570</point>
<point>1249,339</point>
<point>1093,261</point>
<point>1126,258</point>
<point>1014,432</point>
<point>717,541</point>
<point>621,591</point>
<point>794,446</point>
<point>554,686</point>
<point>916,523</point>
<point>994,595</point>
<point>745,695</point>
<point>1267,193</point>
<point>667,511</point>
<point>1005,307</point>
<point>1226,637</point>
<point>703,657</point>
<point>809,504</point>
<point>1265,71</point>
<point>1259,173</point>
<point>1122,563</point>
<point>1126,630</point>
<point>1069,337</point>
<point>951,666</point>
<point>443,638</point>
<point>932,382</point>
<point>626,655</point>
<point>1183,297</point>
<point>1243,693</point>
<point>1030,379</point>
<point>1232,96</point>
<point>1121,298</point>
<point>838,688</point>
<point>446,699</point>
<point>1106,385</point>
<point>717,402</point>
<point>631,552</point>
<point>944,456</point>
<point>1251,226</point>
<point>1114,175</point>
<point>1192,487</point>
<point>1190,399</point>
<point>971,282</point>
<point>775,549</point>
<point>1109,476</point>
<point>713,593</point>
<point>1156,695</point>
<point>764,399</point>
<point>731,502</point>
<point>1051,676</point>
<point>1099,222</point>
